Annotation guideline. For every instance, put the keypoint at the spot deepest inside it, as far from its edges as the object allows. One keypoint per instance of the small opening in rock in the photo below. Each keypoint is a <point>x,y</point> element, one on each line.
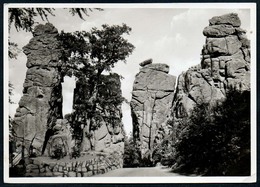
<point>68,87</point>
<point>40,96</point>
<point>127,119</point>
<point>25,89</point>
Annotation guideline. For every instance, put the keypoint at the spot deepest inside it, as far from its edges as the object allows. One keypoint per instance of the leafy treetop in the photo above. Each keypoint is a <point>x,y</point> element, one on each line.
<point>93,52</point>
<point>24,18</point>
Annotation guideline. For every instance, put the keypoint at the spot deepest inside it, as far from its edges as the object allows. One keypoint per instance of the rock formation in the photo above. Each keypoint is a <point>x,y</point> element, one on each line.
<point>225,65</point>
<point>41,103</point>
<point>151,102</point>
<point>106,132</point>
<point>60,143</point>
<point>40,108</point>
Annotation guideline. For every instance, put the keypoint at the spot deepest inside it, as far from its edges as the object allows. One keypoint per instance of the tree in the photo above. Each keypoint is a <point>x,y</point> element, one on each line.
<point>12,134</point>
<point>163,151</point>
<point>216,141</point>
<point>98,49</point>
<point>233,115</point>
<point>10,91</point>
<point>11,130</point>
<point>190,147</point>
<point>24,19</point>
<point>107,46</point>
<point>132,155</point>
<point>89,54</point>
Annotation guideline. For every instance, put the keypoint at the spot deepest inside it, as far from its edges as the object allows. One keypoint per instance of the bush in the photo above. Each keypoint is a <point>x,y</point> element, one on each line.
<point>58,152</point>
<point>216,141</point>
<point>132,154</point>
<point>163,152</point>
<point>75,152</point>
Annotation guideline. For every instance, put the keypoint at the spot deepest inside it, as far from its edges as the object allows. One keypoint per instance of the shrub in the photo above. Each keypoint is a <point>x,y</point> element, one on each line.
<point>75,152</point>
<point>58,152</point>
<point>132,155</point>
<point>216,140</point>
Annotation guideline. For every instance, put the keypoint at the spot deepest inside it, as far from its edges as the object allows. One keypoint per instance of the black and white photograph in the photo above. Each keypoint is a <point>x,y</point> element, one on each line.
<point>130,93</point>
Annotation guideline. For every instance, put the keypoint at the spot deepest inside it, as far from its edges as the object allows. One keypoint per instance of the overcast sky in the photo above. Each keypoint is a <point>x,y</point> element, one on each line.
<point>167,35</point>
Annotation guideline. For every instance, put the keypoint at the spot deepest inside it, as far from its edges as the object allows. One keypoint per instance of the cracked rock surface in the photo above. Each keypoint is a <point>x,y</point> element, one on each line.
<point>41,103</point>
<point>225,65</point>
<point>151,102</point>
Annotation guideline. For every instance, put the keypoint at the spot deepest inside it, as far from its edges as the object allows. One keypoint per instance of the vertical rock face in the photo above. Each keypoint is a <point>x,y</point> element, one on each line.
<point>40,108</point>
<point>41,102</point>
<point>106,133</point>
<point>151,103</point>
<point>61,141</point>
<point>225,65</point>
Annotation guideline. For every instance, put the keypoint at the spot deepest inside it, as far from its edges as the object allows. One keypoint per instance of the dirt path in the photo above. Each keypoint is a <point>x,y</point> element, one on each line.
<point>139,172</point>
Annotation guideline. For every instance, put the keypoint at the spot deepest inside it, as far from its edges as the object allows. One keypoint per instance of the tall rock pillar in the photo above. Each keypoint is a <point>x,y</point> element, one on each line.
<point>151,103</point>
<point>225,65</point>
<point>227,53</point>
<point>41,103</point>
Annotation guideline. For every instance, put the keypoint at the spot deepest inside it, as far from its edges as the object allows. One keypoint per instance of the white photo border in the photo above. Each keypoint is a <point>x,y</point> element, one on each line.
<point>175,179</point>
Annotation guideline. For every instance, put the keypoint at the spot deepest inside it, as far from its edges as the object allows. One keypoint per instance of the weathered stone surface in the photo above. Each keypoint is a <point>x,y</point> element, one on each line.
<point>102,163</point>
<point>44,29</point>
<point>41,102</point>
<point>43,77</point>
<point>194,87</point>
<point>225,65</point>
<point>43,49</point>
<point>101,132</point>
<point>146,62</point>
<point>228,19</point>
<point>158,67</point>
<point>62,138</point>
<point>223,46</point>
<point>156,81</point>
<point>219,30</point>
<point>71,174</point>
<point>243,39</point>
<point>150,105</point>
<point>235,68</point>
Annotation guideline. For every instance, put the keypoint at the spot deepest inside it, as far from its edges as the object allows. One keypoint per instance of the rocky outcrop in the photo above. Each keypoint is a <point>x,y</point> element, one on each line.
<point>60,143</point>
<point>38,119</point>
<point>105,132</point>
<point>41,103</point>
<point>227,56</point>
<point>151,102</point>
<point>225,65</point>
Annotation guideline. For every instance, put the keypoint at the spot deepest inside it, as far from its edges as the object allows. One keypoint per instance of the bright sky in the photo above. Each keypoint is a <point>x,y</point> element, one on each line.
<point>171,36</point>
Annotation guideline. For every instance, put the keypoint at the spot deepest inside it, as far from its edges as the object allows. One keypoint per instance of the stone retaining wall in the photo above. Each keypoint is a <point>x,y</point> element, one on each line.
<point>73,168</point>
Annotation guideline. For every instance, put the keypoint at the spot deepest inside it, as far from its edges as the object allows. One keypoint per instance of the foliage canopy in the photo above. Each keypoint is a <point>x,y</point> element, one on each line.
<point>24,18</point>
<point>216,141</point>
<point>97,50</point>
<point>87,55</point>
